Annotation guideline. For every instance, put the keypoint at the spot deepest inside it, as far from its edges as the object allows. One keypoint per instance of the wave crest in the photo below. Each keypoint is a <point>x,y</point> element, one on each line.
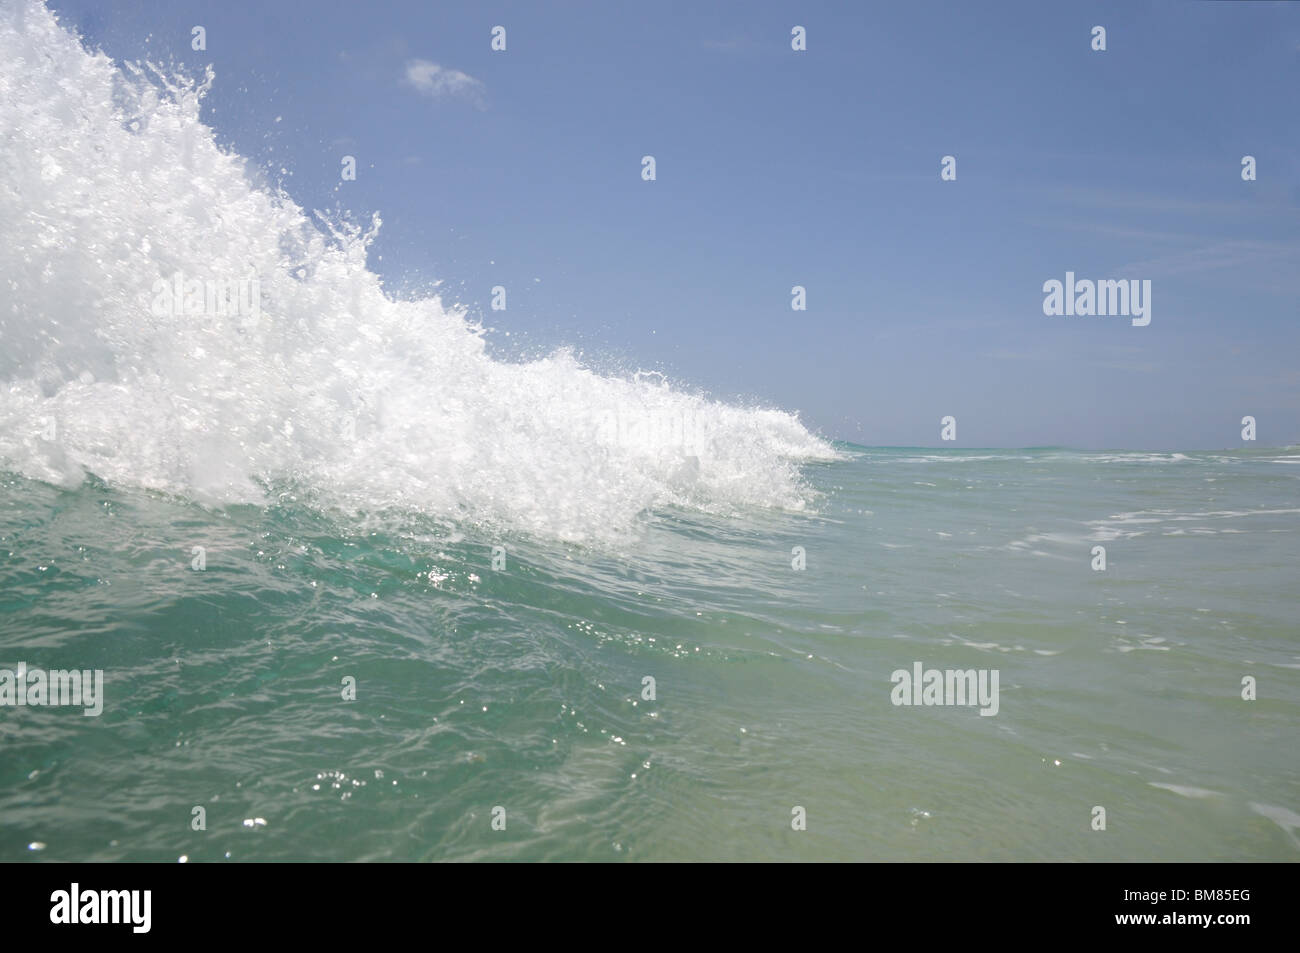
<point>114,188</point>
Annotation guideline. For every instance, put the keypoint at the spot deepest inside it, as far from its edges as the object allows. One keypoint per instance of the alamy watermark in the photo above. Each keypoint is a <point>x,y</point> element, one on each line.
<point>1086,297</point>
<point>22,687</point>
<point>76,906</point>
<point>649,429</point>
<point>236,297</point>
<point>922,686</point>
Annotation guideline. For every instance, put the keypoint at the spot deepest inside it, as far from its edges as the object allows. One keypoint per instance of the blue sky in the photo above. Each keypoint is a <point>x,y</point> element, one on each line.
<point>819,168</point>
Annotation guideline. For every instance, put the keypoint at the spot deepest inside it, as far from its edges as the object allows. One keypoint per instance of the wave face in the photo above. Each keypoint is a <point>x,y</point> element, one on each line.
<point>113,188</point>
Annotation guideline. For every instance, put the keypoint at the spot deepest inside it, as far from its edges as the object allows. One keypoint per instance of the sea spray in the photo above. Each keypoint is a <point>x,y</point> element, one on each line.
<point>112,187</point>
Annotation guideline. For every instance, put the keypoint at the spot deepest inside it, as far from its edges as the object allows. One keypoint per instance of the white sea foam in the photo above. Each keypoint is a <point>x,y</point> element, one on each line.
<point>955,458</point>
<point>111,183</point>
<point>1283,817</point>
<point>1186,790</point>
<point>1136,457</point>
<point>1175,516</point>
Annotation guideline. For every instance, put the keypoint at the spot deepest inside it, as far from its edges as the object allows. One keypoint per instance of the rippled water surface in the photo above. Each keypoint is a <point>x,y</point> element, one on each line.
<point>522,687</point>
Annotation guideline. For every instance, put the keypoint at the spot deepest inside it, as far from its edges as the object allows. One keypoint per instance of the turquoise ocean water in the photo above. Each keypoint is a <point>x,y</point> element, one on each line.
<point>522,688</point>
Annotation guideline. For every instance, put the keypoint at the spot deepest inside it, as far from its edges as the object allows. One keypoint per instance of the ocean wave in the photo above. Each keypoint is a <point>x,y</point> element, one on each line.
<point>173,325</point>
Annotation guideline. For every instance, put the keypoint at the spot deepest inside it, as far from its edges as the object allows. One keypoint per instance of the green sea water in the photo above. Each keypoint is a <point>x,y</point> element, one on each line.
<point>522,688</point>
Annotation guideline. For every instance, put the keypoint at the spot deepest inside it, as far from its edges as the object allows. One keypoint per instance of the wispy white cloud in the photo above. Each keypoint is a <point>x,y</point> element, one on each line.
<point>1251,208</point>
<point>1234,255</point>
<point>1006,354</point>
<point>439,82</point>
<point>735,44</point>
<point>1135,367</point>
